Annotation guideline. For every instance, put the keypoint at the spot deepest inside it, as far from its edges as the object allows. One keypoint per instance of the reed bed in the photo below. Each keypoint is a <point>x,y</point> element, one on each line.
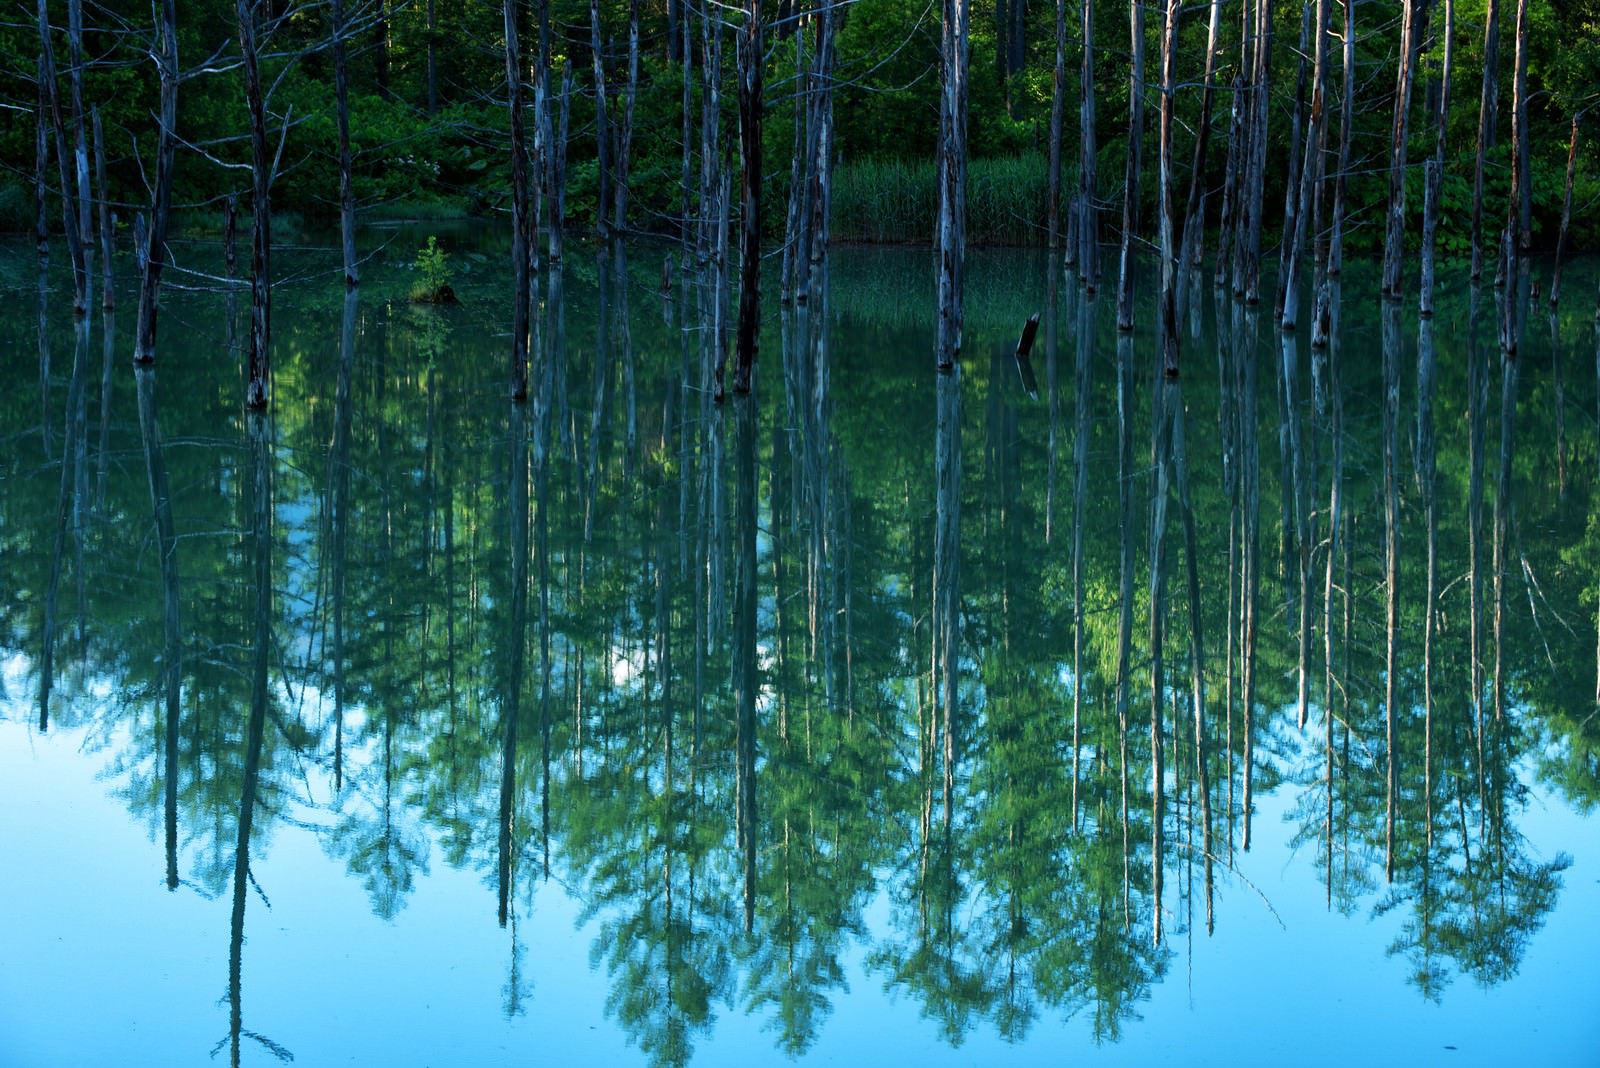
<point>895,201</point>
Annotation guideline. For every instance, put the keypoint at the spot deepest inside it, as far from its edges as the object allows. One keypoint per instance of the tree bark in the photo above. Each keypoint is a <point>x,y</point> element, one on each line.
<point>520,236</point>
<point>1435,172</point>
<point>951,237</point>
<point>1488,109</point>
<point>1130,189</point>
<point>69,211</point>
<point>1057,105</point>
<point>750,151</point>
<point>1088,213</point>
<point>107,239</point>
<point>41,165</point>
<point>602,133</point>
<point>1346,121</point>
<point>341,89</point>
<point>256,392</point>
<point>619,216</point>
<point>1194,207</point>
<point>1566,216</point>
<point>166,145</point>
<point>1405,80</point>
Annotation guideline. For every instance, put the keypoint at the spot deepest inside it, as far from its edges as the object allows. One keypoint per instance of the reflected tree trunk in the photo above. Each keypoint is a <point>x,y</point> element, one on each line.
<point>515,653</point>
<point>746,671</point>
<point>153,255</point>
<point>1426,470</point>
<point>1503,520</point>
<point>947,576</point>
<point>339,521</point>
<point>172,650</point>
<point>1081,446</point>
<point>1391,570</point>
<point>1247,341</point>
<point>261,507</point>
<point>66,506</point>
<point>260,366</point>
<point>1488,113</point>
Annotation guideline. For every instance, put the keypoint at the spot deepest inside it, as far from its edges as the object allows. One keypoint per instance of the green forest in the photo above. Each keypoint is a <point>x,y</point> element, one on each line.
<point>429,124</point>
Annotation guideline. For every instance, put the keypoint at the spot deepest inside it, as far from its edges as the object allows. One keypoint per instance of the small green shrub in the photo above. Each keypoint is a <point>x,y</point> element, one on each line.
<point>433,276</point>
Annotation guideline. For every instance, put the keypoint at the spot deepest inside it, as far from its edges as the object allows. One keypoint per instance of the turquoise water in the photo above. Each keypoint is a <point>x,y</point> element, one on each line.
<point>615,725</point>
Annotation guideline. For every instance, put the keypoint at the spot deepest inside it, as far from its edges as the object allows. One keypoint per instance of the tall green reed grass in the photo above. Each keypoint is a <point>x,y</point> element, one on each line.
<point>895,202</point>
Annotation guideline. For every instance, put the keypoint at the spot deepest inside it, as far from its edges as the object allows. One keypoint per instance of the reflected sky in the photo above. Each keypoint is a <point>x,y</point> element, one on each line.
<point>598,583</point>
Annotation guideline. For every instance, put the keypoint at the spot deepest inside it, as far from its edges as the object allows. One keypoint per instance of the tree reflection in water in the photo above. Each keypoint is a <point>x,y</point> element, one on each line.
<point>780,686</point>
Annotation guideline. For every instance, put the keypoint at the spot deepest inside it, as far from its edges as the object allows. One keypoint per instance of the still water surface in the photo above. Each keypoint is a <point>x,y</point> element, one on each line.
<point>408,726</point>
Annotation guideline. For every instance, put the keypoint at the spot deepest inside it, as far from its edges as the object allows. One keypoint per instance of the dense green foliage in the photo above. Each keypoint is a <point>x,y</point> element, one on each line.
<point>452,159</point>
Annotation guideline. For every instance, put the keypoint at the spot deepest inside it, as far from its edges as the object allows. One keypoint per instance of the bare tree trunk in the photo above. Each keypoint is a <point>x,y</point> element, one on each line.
<point>1088,213</point>
<point>1058,97</point>
<point>799,168</point>
<point>750,61</point>
<point>1167,331</point>
<point>619,216</point>
<point>952,221</point>
<point>684,190</point>
<point>520,236</point>
<point>1130,189</point>
<point>107,239</point>
<point>1488,109</point>
<point>1227,222</point>
<point>1391,555</point>
<point>1248,280</point>
<point>1311,173</point>
<point>602,132</point>
<point>1293,225</point>
<point>341,89</point>
<point>144,344</point>
<point>1566,216</point>
<point>1347,88</point>
<point>1435,172</point>
<point>558,169</point>
<point>433,59</point>
<point>1394,244</point>
<point>41,165</point>
<point>69,210</point>
<point>256,393</point>
<point>1192,254</point>
<point>80,143</point>
<point>1519,211</point>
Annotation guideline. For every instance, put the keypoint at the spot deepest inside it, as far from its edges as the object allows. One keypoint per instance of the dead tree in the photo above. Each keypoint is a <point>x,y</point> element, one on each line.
<point>750,60</point>
<point>521,239</point>
<point>69,211</point>
<point>1488,112</point>
<point>951,236</point>
<point>154,253</point>
<point>246,13</point>
<point>1405,79</point>
<point>341,89</point>
<point>1130,189</point>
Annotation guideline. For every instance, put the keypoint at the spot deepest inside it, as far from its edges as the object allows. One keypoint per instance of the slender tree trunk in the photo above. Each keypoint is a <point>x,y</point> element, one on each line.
<point>1435,172</point>
<point>108,240</point>
<point>1167,332</point>
<point>602,131</point>
<point>1391,542</point>
<point>1518,239</point>
<point>750,150</point>
<point>520,236</point>
<point>952,219</point>
<point>1130,189</point>
<point>1253,198</point>
<point>433,58</point>
<point>1311,172</point>
<point>619,216</point>
<point>144,345</point>
<point>685,191</point>
<point>1346,122</point>
<point>1293,217</point>
<point>799,168</point>
<point>256,393</point>
<point>1194,207</point>
<point>1566,216</point>
<point>1058,95</point>
<point>1405,79</point>
<point>1088,213</point>
<point>69,211</point>
<point>1488,109</point>
<point>80,141</point>
<point>341,89</point>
